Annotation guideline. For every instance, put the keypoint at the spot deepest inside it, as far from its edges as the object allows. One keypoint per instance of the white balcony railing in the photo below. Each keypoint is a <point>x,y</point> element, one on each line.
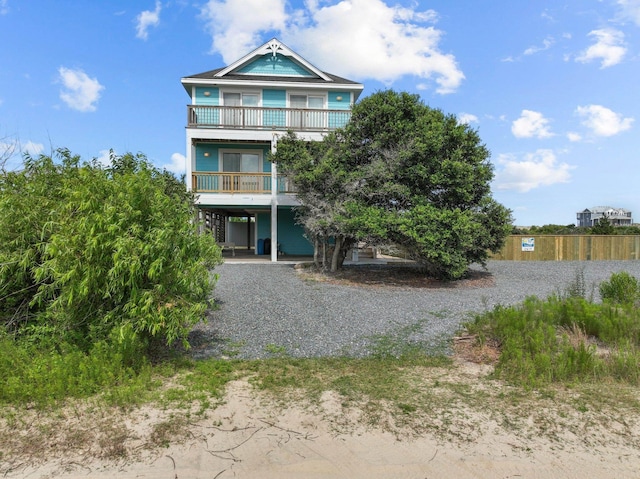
<point>257,183</point>
<point>260,118</point>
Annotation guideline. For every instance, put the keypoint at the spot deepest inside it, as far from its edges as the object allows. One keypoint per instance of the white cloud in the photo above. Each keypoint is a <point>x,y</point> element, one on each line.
<point>546,44</point>
<point>603,121</point>
<point>236,26</point>
<point>4,7</point>
<point>146,19</point>
<point>80,92</point>
<point>384,42</point>
<point>573,136</point>
<point>466,118</point>
<point>531,124</point>
<point>533,171</point>
<point>104,157</point>
<point>178,164</point>
<point>547,16</point>
<point>609,48</point>
<point>630,10</point>
<point>32,148</point>
<point>12,151</point>
<point>8,149</point>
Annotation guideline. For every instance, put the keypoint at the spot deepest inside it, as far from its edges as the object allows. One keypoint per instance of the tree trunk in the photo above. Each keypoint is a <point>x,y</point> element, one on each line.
<point>324,252</point>
<point>347,244</point>
<point>337,253</point>
<point>316,251</point>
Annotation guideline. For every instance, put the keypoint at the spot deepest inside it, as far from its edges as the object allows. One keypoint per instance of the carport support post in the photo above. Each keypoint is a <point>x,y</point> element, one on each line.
<point>248,232</point>
<point>274,230</point>
<point>274,204</point>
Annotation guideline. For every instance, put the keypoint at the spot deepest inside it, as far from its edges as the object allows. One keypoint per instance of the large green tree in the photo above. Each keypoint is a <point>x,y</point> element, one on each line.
<point>323,187</point>
<point>88,251</point>
<point>399,173</point>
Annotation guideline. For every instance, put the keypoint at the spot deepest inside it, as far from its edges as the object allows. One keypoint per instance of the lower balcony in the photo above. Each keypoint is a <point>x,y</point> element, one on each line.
<point>230,183</point>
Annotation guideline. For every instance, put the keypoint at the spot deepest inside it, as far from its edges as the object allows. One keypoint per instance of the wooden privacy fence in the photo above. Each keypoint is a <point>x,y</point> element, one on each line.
<point>570,248</point>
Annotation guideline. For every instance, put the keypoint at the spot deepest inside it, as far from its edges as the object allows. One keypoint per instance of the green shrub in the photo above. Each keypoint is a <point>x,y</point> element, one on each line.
<point>622,288</point>
<point>87,252</point>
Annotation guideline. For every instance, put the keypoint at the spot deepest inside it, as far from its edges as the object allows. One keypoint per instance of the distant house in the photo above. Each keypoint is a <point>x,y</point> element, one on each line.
<point>615,216</point>
<point>234,119</point>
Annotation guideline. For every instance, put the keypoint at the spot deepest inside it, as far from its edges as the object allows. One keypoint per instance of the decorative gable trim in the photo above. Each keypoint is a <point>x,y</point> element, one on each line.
<point>278,65</point>
<point>273,47</point>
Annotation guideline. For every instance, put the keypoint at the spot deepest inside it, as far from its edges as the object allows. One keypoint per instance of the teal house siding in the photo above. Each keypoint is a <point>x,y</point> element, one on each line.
<point>274,99</point>
<point>275,66</point>
<point>212,99</point>
<point>337,120</point>
<point>263,225</point>
<point>291,235</point>
<point>207,163</point>
<point>343,104</point>
<point>206,115</point>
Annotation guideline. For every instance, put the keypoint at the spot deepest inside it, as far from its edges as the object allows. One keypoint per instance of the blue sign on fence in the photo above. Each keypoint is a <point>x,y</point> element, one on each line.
<point>528,244</point>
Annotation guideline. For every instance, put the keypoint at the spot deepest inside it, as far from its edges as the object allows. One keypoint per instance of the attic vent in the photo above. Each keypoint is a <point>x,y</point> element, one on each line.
<point>274,46</point>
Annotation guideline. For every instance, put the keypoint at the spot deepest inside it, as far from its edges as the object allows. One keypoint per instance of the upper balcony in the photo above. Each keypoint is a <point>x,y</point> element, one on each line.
<point>261,118</point>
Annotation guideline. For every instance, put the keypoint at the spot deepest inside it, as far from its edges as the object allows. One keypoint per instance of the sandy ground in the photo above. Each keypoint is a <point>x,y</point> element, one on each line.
<point>249,437</point>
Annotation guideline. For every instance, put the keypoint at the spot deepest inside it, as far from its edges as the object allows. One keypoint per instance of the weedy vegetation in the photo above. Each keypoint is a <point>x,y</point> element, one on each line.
<point>568,338</point>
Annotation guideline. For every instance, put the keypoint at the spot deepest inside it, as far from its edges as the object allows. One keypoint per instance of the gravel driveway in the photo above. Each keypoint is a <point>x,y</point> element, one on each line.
<point>267,309</point>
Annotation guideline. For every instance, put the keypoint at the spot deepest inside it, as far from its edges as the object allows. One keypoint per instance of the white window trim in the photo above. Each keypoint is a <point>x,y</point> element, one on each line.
<point>307,93</point>
<point>293,117</point>
<point>257,151</point>
<point>241,114</point>
<point>258,93</point>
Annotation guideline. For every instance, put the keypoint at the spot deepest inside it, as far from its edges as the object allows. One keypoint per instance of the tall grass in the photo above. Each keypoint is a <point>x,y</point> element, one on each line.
<point>41,375</point>
<point>564,338</point>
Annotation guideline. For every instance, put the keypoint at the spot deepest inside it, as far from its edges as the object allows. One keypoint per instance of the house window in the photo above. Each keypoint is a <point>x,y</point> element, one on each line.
<point>302,115</point>
<point>241,162</point>
<point>236,115</point>
<point>242,168</point>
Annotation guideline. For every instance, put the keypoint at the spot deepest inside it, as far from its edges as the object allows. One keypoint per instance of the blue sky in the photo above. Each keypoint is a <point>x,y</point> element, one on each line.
<point>551,86</point>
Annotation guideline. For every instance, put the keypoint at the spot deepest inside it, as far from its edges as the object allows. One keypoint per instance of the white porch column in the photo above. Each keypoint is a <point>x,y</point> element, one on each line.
<point>255,236</point>
<point>274,204</point>
<point>190,150</point>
